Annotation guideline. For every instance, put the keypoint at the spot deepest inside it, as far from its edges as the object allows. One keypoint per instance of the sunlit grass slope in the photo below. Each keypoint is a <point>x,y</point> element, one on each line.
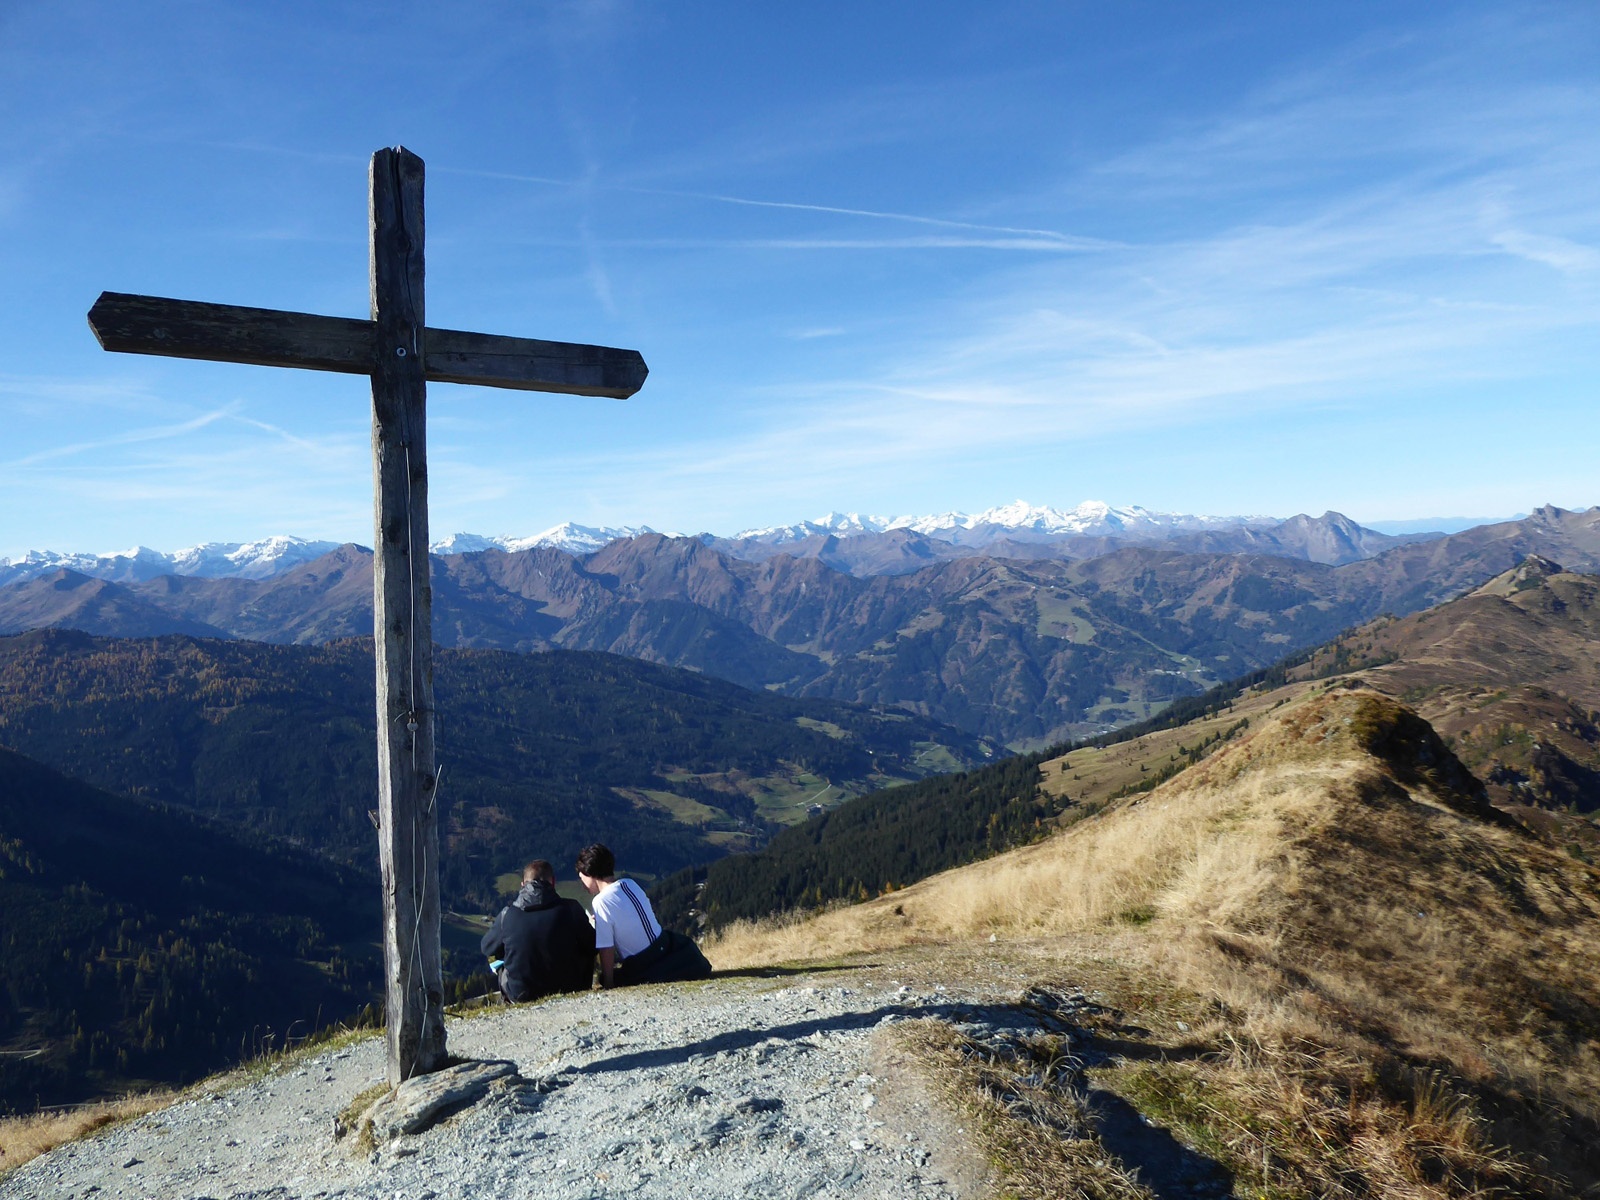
<point>1391,988</point>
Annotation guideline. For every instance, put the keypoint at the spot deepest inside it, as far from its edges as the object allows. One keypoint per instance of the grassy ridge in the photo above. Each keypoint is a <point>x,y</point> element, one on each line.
<point>1349,975</point>
<point>902,834</point>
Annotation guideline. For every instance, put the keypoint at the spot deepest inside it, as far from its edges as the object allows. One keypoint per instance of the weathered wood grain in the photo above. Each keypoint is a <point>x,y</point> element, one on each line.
<point>266,337</point>
<point>408,817</point>
<point>269,337</point>
<point>532,365</point>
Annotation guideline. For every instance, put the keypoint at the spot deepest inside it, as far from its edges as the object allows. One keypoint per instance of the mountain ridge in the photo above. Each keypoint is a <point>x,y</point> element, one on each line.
<point>1509,674</point>
<point>1023,651</point>
<point>1332,926</point>
<point>1018,523</point>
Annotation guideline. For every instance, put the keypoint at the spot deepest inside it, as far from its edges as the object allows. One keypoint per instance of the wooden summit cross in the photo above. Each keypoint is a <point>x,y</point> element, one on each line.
<point>401,355</point>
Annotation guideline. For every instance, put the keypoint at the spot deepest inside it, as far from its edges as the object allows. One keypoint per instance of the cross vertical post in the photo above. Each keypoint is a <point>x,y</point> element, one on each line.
<point>408,782</point>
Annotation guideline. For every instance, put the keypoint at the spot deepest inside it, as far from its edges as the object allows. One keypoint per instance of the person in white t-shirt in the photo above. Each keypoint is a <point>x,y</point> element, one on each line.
<point>624,922</point>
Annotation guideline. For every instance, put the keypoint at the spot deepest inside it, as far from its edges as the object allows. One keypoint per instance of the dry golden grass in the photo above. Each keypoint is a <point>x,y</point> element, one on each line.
<point>25,1138</point>
<point>1092,776</point>
<point>1212,848</point>
<point>1033,1135</point>
<point>1395,987</point>
<point>1297,1123</point>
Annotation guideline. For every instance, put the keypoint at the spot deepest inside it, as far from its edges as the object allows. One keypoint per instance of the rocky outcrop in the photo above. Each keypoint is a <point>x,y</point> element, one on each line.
<point>425,1099</point>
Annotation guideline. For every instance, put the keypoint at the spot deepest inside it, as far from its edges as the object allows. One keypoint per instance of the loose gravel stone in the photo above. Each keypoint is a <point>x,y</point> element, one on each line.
<point>719,1090</point>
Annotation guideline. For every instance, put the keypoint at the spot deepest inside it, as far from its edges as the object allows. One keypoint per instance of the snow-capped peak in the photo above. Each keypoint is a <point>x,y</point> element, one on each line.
<point>1019,518</point>
<point>835,523</point>
<point>247,560</point>
<point>259,559</point>
<point>574,539</point>
<point>467,543</point>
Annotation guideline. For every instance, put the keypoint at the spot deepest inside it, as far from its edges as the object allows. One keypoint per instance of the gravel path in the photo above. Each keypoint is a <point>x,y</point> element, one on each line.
<point>740,1087</point>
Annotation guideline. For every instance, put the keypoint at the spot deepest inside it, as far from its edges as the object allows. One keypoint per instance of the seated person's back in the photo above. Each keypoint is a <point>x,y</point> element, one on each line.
<point>546,941</point>
<point>633,946</point>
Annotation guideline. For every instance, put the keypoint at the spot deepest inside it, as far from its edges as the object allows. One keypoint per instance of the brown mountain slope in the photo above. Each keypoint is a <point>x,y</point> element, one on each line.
<point>1509,673</point>
<point>66,598</point>
<point>1339,976</point>
<point>1025,652</point>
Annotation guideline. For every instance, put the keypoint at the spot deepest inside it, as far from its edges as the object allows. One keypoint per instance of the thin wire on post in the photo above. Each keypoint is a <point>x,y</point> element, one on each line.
<point>419,844</point>
<point>414,713</point>
<point>419,881</point>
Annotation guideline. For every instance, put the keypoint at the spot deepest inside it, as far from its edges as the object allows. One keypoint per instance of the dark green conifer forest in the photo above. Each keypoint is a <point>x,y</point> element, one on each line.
<point>142,943</point>
<point>540,753</point>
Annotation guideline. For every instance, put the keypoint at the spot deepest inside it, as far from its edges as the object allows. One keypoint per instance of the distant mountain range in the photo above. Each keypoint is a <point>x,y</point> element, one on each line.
<point>1092,518</point>
<point>574,539</point>
<point>865,546</point>
<point>214,560</point>
<point>1018,530</point>
<point>1019,650</point>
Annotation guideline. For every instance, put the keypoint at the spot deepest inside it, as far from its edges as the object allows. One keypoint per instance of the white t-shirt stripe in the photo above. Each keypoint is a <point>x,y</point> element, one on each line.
<point>647,919</point>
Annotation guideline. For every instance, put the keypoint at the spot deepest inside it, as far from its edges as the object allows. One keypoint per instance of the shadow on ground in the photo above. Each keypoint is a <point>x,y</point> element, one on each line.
<point>1165,1165</point>
<point>782,972</point>
<point>1171,1170</point>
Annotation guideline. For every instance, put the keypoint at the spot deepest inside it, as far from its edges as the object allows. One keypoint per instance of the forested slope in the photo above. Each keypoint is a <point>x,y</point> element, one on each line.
<point>867,846</point>
<point>145,943</point>
<point>540,754</point>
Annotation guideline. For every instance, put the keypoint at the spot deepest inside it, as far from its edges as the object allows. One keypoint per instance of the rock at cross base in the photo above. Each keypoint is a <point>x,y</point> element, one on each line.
<point>422,1099</point>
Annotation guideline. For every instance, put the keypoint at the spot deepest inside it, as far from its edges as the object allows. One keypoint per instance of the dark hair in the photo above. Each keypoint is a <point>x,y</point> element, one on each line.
<point>538,869</point>
<point>596,862</point>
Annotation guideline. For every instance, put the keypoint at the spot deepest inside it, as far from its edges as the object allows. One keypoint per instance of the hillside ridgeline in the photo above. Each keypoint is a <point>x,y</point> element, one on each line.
<point>1363,978</point>
<point>1021,650</point>
<point>1508,673</point>
<point>540,754</point>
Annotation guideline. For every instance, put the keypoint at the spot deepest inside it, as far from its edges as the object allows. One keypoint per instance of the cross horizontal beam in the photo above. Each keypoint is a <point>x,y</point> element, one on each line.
<point>270,337</point>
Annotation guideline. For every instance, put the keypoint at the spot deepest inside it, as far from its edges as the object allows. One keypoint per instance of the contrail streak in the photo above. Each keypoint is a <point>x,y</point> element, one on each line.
<point>1066,240</point>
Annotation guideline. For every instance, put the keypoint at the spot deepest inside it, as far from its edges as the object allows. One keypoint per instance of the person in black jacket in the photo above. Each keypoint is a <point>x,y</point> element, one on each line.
<point>546,942</point>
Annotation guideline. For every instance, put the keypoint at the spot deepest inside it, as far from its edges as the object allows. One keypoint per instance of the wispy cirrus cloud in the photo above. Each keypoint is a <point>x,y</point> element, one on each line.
<point>1044,245</point>
<point>154,433</point>
<point>220,475</point>
<point>1014,237</point>
<point>1447,248</point>
<point>1048,235</point>
<point>1563,254</point>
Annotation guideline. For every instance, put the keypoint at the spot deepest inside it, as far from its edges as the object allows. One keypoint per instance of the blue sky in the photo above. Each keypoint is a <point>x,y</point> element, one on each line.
<point>1244,258</point>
